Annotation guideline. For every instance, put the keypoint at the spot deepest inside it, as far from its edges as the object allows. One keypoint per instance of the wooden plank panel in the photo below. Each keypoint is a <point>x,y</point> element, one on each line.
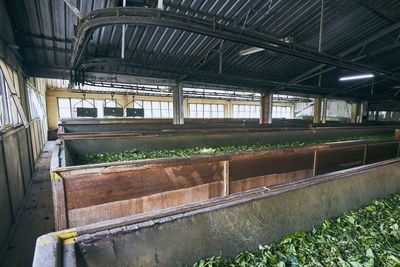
<point>266,180</point>
<point>24,156</point>
<point>6,218</point>
<point>37,139</point>
<point>14,173</point>
<point>335,159</point>
<point>274,163</point>
<point>117,209</point>
<point>33,139</point>
<point>380,152</point>
<point>88,189</point>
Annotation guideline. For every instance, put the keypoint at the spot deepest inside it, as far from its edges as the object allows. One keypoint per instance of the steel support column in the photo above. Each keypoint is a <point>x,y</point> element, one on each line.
<point>266,108</point>
<point>178,104</point>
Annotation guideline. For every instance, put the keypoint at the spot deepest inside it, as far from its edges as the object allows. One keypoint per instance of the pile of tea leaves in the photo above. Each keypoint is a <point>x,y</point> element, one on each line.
<point>361,238</point>
<point>136,154</point>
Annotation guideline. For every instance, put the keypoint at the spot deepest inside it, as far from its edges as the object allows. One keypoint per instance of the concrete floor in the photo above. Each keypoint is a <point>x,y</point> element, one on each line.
<point>37,216</point>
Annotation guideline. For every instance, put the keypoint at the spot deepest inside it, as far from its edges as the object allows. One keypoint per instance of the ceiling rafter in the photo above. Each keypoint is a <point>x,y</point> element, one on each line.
<point>377,10</point>
<point>140,16</point>
<point>197,75</point>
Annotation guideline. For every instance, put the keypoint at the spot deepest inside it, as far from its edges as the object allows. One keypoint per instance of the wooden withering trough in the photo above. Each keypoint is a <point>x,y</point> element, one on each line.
<point>81,143</point>
<point>95,193</point>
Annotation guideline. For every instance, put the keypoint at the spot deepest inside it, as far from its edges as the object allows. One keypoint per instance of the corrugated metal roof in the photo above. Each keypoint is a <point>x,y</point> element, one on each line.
<point>45,30</point>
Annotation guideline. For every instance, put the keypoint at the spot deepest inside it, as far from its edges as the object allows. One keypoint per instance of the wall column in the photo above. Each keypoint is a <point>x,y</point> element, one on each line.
<point>178,108</point>
<point>317,110</point>
<point>266,108</point>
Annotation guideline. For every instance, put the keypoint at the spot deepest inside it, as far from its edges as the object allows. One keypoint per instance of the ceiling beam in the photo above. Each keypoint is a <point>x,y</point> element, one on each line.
<point>72,5</point>
<point>204,76</point>
<point>312,72</point>
<point>141,16</point>
<point>379,11</point>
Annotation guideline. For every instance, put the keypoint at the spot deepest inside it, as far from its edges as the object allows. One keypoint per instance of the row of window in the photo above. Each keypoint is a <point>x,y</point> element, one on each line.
<point>282,112</point>
<point>246,111</point>
<point>8,111</point>
<point>206,111</point>
<point>67,107</point>
<point>163,109</point>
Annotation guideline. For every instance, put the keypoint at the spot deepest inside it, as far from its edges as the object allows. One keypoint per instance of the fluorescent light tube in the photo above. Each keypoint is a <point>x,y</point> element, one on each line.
<point>251,50</point>
<point>356,77</point>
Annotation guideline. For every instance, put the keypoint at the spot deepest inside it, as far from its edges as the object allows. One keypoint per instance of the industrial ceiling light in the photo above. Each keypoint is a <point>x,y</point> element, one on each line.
<point>356,77</point>
<point>252,50</point>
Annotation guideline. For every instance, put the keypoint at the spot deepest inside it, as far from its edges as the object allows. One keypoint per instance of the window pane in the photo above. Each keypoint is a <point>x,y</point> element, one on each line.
<point>147,105</point>
<point>164,113</point>
<point>164,105</point>
<point>155,105</point>
<point>156,113</point>
<point>147,113</point>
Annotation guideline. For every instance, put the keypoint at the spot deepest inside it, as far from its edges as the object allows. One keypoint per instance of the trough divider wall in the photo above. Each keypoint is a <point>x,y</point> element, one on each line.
<point>365,154</point>
<point>226,183</point>
<point>315,161</point>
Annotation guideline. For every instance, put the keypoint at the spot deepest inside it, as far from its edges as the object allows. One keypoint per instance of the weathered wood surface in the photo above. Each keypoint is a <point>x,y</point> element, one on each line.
<point>266,180</point>
<point>150,203</point>
<point>88,189</point>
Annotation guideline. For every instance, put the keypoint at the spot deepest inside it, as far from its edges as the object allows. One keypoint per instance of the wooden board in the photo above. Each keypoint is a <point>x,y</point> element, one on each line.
<point>14,172</point>
<point>155,202</point>
<point>266,180</point>
<point>6,218</point>
<point>380,152</point>
<point>270,164</point>
<point>335,159</point>
<point>24,157</point>
<point>88,189</point>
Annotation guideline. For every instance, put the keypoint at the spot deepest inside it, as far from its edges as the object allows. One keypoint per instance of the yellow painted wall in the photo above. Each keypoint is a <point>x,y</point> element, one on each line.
<point>52,95</point>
